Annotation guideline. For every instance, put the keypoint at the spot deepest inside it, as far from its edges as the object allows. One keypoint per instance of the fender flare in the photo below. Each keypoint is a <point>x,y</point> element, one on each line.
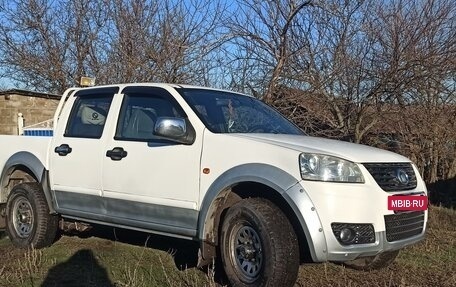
<point>268,175</point>
<point>279,180</point>
<point>39,172</point>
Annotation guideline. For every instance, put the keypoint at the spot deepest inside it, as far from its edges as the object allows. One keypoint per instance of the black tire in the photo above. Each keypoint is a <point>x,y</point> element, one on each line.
<point>269,253</point>
<point>378,261</point>
<point>28,221</point>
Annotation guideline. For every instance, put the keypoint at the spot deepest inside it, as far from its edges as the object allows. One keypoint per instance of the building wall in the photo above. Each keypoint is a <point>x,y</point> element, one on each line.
<point>34,110</point>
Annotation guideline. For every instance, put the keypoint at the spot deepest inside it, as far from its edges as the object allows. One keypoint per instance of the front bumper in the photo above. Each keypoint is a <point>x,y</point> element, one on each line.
<point>318,204</point>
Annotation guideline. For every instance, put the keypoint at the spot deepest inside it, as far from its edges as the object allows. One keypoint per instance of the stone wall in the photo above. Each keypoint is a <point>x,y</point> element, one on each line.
<point>34,110</point>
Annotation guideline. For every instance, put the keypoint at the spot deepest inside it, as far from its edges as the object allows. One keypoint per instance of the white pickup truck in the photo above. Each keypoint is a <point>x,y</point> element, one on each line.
<point>214,166</point>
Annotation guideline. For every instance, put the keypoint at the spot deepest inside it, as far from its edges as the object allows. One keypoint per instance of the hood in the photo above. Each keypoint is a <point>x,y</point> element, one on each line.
<point>349,151</point>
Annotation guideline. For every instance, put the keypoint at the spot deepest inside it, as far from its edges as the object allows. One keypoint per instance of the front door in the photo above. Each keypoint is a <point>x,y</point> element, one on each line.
<point>149,182</point>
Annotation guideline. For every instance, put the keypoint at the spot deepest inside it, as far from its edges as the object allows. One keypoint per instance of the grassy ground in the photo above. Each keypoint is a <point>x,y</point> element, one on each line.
<point>102,260</point>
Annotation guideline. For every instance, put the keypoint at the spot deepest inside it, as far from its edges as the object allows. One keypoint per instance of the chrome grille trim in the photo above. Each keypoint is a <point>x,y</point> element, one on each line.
<point>386,175</point>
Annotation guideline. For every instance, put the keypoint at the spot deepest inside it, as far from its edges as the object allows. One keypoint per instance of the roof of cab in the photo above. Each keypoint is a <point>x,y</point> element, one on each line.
<point>145,84</point>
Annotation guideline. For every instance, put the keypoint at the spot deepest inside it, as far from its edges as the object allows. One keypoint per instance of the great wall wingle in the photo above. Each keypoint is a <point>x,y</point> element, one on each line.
<point>214,166</point>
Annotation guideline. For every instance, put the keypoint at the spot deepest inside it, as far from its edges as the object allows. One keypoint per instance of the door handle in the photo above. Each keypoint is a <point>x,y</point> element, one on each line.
<point>116,153</point>
<point>63,149</point>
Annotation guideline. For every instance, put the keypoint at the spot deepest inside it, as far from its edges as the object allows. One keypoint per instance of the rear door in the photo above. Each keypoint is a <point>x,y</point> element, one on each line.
<point>77,157</point>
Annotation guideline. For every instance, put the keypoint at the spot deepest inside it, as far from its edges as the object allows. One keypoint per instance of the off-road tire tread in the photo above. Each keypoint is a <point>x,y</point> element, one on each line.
<point>46,223</point>
<point>282,236</point>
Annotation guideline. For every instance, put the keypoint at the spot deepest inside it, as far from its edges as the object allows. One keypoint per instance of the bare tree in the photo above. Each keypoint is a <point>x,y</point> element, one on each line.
<point>38,48</point>
<point>381,73</point>
<point>357,59</point>
<point>164,41</point>
<point>260,31</point>
<point>333,65</point>
<point>49,45</point>
<point>419,40</point>
<point>46,45</point>
<point>363,71</point>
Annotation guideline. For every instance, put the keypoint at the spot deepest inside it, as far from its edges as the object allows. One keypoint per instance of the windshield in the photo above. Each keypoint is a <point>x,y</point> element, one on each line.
<point>225,112</point>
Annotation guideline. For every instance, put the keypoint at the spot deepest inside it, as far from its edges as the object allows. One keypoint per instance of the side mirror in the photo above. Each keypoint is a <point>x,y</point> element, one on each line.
<point>174,129</point>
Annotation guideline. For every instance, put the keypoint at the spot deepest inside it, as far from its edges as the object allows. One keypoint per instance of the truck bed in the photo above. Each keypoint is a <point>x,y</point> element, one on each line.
<point>37,146</point>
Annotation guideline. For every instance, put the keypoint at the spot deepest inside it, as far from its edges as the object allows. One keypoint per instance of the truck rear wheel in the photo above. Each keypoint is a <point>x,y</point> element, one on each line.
<point>28,222</point>
<point>378,261</point>
<point>258,245</point>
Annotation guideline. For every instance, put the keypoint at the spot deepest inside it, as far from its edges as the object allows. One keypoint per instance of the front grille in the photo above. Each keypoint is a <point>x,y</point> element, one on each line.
<point>404,225</point>
<point>387,175</point>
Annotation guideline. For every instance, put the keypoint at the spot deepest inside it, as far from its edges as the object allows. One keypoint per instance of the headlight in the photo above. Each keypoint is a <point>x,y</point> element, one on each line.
<point>329,168</point>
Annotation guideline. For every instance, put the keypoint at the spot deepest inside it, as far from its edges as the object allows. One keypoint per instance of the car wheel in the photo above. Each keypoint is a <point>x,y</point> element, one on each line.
<point>258,245</point>
<point>28,221</point>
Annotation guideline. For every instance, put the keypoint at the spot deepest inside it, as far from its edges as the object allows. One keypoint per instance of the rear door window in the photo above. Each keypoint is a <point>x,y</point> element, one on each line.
<point>89,113</point>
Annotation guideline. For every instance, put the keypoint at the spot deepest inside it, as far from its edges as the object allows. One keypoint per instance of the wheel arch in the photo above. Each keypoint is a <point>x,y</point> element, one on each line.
<point>24,167</point>
<point>249,180</point>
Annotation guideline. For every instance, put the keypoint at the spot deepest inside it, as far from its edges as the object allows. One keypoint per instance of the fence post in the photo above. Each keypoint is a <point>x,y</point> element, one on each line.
<point>20,124</point>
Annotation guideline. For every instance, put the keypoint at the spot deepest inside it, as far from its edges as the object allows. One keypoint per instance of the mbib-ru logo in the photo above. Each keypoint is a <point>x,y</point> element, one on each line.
<point>407,202</point>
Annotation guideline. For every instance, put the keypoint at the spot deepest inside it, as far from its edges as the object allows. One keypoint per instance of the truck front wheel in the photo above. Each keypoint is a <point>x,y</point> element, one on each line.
<point>28,222</point>
<point>258,245</point>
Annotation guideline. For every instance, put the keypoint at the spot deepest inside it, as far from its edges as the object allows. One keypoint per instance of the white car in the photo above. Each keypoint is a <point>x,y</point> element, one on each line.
<point>213,166</point>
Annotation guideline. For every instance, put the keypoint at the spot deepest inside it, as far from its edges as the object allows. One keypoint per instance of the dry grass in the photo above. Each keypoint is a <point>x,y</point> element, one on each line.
<point>429,263</point>
<point>94,261</point>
